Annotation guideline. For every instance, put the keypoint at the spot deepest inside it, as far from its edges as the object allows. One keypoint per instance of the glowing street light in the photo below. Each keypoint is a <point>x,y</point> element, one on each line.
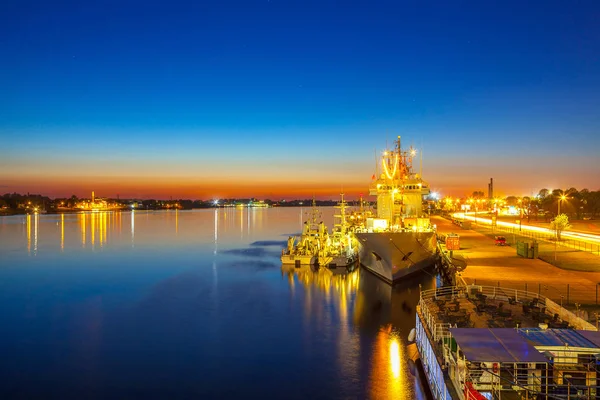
<point>560,199</point>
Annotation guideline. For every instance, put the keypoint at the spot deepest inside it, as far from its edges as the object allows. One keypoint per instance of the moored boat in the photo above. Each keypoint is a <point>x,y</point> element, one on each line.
<point>304,250</point>
<point>478,342</point>
<point>316,246</point>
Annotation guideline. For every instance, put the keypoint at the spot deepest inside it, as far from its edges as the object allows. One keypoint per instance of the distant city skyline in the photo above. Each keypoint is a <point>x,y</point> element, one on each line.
<point>290,99</point>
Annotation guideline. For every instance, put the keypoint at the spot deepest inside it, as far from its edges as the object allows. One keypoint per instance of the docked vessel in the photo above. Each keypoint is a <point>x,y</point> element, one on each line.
<point>339,249</point>
<point>399,240</point>
<point>316,246</point>
<point>488,342</point>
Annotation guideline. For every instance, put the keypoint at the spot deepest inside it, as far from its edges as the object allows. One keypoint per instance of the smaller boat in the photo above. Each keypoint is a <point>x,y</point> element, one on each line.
<point>316,246</point>
<point>305,249</point>
<point>340,247</point>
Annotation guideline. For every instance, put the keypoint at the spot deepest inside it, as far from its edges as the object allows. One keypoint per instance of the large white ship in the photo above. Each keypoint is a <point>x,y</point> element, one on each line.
<point>399,240</point>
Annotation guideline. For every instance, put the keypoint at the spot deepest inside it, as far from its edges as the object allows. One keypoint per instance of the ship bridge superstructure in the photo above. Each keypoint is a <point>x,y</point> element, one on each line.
<point>399,191</point>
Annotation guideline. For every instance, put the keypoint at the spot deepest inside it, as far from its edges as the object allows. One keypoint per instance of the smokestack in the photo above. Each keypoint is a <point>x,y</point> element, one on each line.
<point>491,189</point>
<point>93,197</point>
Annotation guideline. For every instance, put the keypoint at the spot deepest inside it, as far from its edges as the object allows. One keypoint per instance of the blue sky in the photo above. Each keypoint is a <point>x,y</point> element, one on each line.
<point>296,96</point>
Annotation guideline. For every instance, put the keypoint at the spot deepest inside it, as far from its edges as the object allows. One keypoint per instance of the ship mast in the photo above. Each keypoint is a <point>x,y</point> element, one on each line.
<point>341,215</point>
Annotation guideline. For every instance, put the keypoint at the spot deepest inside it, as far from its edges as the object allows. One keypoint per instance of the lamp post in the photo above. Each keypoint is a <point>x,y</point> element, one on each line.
<point>560,199</point>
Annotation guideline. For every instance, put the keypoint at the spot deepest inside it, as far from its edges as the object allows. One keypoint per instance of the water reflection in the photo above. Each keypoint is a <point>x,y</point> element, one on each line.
<point>383,313</point>
<point>62,232</point>
<point>82,227</point>
<point>93,230</point>
<point>36,219</point>
<point>336,284</point>
<point>216,230</point>
<point>388,377</point>
<point>28,233</point>
<point>211,315</point>
<point>132,228</point>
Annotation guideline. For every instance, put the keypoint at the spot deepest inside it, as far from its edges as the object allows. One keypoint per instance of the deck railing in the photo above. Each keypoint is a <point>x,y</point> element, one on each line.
<point>496,293</point>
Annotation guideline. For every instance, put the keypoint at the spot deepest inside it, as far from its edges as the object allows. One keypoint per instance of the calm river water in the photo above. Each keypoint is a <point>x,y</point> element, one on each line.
<point>192,304</point>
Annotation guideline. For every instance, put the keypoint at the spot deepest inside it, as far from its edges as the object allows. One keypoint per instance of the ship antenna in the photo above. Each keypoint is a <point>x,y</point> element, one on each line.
<point>421,164</point>
<point>376,163</point>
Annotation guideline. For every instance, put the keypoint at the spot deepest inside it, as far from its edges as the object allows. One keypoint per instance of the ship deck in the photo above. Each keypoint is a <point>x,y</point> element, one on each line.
<point>442,310</point>
<point>488,313</point>
<point>495,308</point>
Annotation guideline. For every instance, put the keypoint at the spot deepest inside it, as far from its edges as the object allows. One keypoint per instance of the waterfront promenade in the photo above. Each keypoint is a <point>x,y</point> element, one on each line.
<point>576,283</point>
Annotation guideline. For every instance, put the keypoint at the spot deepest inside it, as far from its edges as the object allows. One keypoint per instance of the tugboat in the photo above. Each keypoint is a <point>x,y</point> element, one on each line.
<point>400,240</point>
<point>305,250</point>
<point>340,247</point>
<point>317,247</point>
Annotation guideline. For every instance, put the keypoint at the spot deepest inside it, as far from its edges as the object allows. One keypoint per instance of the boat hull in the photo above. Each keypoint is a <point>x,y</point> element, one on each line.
<point>394,255</point>
<point>336,261</point>
<point>296,259</point>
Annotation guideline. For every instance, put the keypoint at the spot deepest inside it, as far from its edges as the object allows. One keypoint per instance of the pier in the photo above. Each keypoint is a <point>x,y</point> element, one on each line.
<point>487,264</point>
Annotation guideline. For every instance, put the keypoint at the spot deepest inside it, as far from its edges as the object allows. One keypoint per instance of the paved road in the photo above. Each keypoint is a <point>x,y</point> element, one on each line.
<point>488,264</point>
<point>592,226</point>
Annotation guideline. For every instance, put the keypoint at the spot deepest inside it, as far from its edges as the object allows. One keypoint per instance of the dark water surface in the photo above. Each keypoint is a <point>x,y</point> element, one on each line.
<point>191,304</point>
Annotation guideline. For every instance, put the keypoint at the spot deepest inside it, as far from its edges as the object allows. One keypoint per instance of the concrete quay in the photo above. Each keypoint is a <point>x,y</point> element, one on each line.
<point>576,285</point>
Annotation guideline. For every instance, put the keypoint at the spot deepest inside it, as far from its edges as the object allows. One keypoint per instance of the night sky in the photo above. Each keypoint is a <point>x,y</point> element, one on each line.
<point>286,99</point>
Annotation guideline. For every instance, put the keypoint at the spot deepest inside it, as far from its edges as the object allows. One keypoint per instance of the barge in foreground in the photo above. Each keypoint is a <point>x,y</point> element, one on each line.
<point>478,342</point>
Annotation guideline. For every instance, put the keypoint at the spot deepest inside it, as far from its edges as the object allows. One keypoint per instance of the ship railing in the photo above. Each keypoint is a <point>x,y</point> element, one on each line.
<point>499,294</point>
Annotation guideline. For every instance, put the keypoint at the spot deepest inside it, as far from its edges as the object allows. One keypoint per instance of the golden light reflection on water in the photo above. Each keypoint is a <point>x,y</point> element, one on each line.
<point>95,225</point>
<point>28,233</point>
<point>349,296</point>
<point>395,357</point>
<point>93,230</point>
<point>388,369</point>
<point>36,219</point>
<point>82,228</point>
<point>337,287</point>
<point>62,232</point>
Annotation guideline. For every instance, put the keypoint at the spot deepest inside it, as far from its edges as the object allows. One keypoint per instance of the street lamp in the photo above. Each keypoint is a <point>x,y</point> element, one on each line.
<point>560,199</point>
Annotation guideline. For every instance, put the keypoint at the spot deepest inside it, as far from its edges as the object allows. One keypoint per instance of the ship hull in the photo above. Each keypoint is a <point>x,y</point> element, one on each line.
<point>333,262</point>
<point>393,256</point>
<point>295,259</point>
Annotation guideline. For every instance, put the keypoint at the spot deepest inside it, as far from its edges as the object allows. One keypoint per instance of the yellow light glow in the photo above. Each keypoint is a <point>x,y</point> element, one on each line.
<point>387,172</point>
<point>28,233</point>
<point>395,357</point>
<point>83,228</point>
<point>62,231</point>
